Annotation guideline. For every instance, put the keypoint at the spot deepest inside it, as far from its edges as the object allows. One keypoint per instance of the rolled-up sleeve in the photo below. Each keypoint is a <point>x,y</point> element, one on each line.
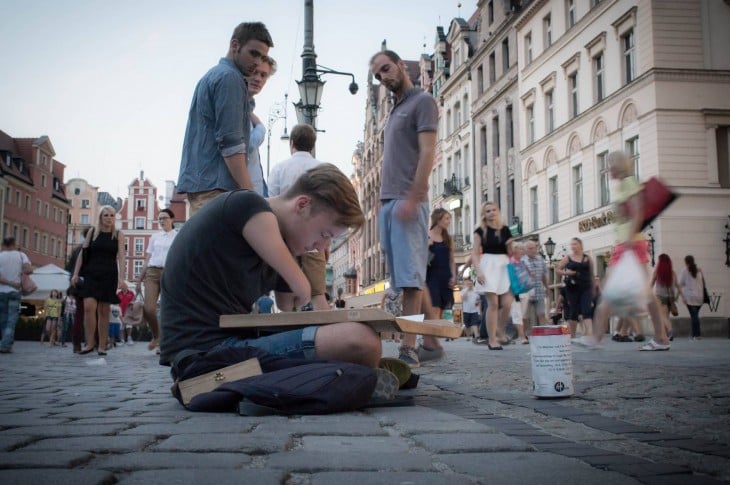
<point>231,115</point>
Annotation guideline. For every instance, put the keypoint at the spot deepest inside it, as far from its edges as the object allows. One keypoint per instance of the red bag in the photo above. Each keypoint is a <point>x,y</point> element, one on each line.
<point>656,197</point>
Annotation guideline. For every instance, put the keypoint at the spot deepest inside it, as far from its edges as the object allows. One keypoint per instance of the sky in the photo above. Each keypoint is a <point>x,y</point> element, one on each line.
<point>111,82</point>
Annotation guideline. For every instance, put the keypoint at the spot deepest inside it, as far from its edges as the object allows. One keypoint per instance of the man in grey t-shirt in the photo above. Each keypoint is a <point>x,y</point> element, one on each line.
<point>408,153</point>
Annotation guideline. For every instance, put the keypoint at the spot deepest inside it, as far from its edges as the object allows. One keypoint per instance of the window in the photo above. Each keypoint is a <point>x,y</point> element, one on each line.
<point>490,12</point>
<point>505,55</point>
<point>139,222</point>
<point>46,211</point>
<point>138,267</point>
<point>480,79</point>
<point>77,191</point>
<point>466,165</point>
<point>599,77</point>
<point>553,188</point>
<point>495,136</point>
<point>510,127</point>
<point>17,199</point>
<point>483,144</point>
<point>604,179</point>
<point>85,203</point>
<point>36,241</point>
<point>55,214</point>
<point>629,50</point>
<point>43,180</point>
<point>533,208</point>
<point>85,219</point>
<point>578,188</point>
<point>632,150</point>
<point>448,122</point>
<point>573,88</point>
<point>723,155</point>
<point>530,124</point>
<point>140,203</point>
<point>549,111</point>
<point>457,116</point>
<point>498,199</point>
<point>25,238</point>
<point>38,207</point>
<point>44,244</point>
<point>138,245</point>
<point>570,12</point>
<point>528,48</point>
<point>492,68</point>
<point>547,28</point>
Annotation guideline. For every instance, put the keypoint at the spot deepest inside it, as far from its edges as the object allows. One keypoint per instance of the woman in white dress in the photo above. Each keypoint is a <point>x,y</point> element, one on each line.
<point>491,248</point>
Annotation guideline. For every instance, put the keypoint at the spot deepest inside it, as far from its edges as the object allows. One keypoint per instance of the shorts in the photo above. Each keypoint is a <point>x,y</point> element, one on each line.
<point>471,319</point>
<point>296,344</point>
<point>114,330</point>
<point>665,300</point>
<point>314,267</point>
<point>641,248</point>
<point>198,199</point>
<point>532,308</point>
<point>405,244</point>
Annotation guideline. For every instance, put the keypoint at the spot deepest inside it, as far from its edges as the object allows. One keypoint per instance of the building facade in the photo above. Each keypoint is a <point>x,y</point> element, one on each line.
<point>649,78</point>
<point>35,206</point>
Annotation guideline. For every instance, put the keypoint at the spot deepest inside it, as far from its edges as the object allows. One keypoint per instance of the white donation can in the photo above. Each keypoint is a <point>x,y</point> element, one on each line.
<point>552,361</point>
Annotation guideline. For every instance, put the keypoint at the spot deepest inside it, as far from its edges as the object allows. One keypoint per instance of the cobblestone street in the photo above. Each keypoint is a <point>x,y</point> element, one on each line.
<point>651,417</point>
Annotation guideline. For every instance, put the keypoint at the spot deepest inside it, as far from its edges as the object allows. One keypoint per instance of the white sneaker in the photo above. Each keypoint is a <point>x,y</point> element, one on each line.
<point>587,342</point>
<point>130,341</point>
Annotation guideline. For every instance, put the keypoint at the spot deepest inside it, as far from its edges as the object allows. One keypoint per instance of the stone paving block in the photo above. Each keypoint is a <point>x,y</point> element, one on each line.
<point>390,478</point>
<point>696,445</point>
<point>359,444</point>
<point>457,425</point>
<point>13,420</point>
<point>228,419</point>
<point>409,414</point>
<point>59,476</point>
<point>300,428</point>
<point>103,444</point>
<point>470,443</point>
<point>612,459</point>
<point>168,429</point>
<point>317,461</point>
<point>510,468</point>
<point>162,460</point>
<point>543,440</point>
<point>64,430</point>
<point>681,480</point>
<point>252,443</point>
<point>127,420</point>
<point>649,469</point>
<point>47,459</point>
<point>579,451</point>
<point>204,476</point>
<point>12,442</point>
<point>725,452</point>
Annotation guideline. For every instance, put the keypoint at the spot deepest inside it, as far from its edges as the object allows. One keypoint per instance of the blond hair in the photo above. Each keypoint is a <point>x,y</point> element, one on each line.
<point>621,162</point>
<point>484,224</point>
<point>331,190</point>
<point>97,227</point>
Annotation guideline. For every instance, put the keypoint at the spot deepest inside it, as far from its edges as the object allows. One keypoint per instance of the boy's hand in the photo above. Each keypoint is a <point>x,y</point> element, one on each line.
<point>302,293</point>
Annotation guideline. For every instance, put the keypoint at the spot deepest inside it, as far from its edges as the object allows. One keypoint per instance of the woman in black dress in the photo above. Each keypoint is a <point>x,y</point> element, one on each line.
<point>577,268</point>
<point>101,264</point>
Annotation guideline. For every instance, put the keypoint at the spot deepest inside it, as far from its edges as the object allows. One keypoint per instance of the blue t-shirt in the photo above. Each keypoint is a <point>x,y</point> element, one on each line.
<point>265,304</point>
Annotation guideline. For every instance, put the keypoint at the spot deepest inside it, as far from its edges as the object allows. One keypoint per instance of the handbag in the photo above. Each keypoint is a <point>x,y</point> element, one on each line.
<point>673,308</point>
<point>27,285</point>
<point>624,285</point>
<point>656,197</point>
<point>705,294</point>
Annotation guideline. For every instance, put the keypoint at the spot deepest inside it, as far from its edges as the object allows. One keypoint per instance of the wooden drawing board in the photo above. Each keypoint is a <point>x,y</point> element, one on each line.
<point>379,320</point>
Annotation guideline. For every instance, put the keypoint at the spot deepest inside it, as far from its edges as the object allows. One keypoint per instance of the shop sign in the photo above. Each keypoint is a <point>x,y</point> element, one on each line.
<point>590,223</point>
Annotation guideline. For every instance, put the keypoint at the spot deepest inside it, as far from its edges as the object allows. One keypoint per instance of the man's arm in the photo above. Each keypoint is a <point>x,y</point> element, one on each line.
<point>236,164</point>
<point>419,188</point>
<point>263,234</point>
<point>232,126</point>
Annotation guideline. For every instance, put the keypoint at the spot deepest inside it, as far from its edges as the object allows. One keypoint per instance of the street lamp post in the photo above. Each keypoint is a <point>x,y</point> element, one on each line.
<point>311,85</point>
<point>276,112</point>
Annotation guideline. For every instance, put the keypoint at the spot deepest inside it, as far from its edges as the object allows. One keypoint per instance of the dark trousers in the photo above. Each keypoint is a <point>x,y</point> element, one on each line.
<point>694,315</point>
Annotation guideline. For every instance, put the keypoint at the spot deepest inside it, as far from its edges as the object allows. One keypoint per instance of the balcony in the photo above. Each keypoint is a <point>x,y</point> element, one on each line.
<point>453,187</point>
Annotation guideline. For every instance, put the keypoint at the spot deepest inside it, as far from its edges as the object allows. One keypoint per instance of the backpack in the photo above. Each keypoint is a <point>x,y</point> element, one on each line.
<point>287,386</point>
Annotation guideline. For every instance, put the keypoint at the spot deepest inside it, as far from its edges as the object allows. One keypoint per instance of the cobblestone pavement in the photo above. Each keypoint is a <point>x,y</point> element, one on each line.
<point>636,417</point>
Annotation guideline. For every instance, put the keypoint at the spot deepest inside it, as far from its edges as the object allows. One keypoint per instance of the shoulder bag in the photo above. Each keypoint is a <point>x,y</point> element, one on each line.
<point>705,294</point>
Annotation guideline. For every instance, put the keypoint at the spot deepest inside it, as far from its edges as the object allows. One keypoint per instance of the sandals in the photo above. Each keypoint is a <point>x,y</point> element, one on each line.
<point>653,345</point>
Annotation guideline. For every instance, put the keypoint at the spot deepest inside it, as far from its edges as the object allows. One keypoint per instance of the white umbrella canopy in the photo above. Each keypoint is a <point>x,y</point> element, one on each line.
<point>47,278</point>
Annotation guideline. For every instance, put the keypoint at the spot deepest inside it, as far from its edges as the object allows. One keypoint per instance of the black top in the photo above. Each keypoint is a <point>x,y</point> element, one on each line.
<point>496,241</point>
<point>583,277</point>
<point>210,271</point>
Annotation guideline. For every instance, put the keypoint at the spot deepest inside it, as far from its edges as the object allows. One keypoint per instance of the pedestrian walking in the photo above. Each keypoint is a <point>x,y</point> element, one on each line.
<point>101,265</point>
<point>214,157</point>
<point>491,248</point>
<point>470,309</point>
<point>666,288</point>
<point>533,308</point>
<point>53,313</point>
<point>13,264</point>
<point>577,270</point>
<point>692,283</point>
<point>629,216</point>
<point>69,310</point>
<point>409,143</point>
<point>152,269</point>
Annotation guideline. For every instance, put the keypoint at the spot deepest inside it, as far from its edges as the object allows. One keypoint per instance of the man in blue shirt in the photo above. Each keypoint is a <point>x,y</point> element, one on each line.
<point>217,135</point>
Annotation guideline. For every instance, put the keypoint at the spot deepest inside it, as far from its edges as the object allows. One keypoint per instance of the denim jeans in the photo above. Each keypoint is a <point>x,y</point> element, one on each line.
<point>9,312</point>
<point>694,315</point>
